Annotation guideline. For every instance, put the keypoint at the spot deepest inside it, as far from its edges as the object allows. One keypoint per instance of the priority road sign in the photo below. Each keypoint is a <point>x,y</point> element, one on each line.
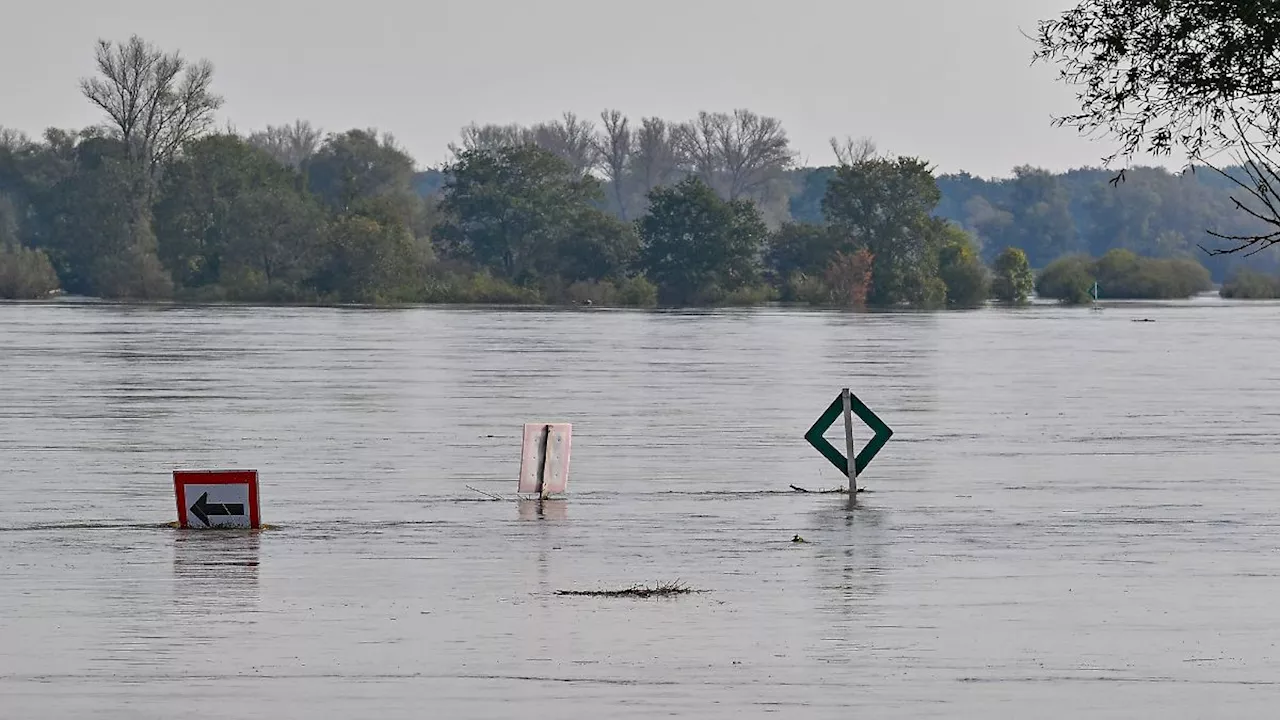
<point>217,498</point>
<point>833,413</point>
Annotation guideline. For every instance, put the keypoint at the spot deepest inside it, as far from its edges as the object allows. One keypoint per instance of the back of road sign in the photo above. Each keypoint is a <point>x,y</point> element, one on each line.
<point>217,498</point>
<point>544,459</point>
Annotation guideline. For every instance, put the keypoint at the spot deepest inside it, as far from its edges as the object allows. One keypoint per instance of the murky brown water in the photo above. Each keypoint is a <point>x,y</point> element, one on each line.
<point>1076,518</point>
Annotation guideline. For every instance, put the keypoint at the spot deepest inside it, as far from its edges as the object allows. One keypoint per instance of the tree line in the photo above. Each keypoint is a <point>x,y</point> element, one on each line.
<point>157,203</point>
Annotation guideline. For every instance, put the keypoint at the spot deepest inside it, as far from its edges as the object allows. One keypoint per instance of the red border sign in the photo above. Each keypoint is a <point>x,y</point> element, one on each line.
<point>182,478</point>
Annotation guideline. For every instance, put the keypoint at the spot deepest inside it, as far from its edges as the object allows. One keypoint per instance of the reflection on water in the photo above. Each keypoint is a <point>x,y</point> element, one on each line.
<point>533,509</point>
<point>1038,536</point>
<point>216,571</point>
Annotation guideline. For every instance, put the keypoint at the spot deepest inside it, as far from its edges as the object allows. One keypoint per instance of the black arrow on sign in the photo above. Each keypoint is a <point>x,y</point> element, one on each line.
<point>202,509</point>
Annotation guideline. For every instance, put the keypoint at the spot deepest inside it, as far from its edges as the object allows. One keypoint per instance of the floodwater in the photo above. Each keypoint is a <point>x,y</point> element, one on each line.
<point>1076,517</point>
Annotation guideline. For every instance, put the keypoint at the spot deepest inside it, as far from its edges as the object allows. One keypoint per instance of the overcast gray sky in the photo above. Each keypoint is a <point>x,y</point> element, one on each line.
<point>947,80</point>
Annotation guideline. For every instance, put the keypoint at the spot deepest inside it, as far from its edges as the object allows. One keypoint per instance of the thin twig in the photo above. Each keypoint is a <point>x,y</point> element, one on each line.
<point>487,494</point>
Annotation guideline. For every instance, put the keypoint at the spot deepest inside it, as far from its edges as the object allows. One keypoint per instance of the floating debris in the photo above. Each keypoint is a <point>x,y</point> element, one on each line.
<point>637,591</point>
<point>833,491</point>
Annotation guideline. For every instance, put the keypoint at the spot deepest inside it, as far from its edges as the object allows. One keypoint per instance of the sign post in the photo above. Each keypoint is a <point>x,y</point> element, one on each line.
<point>847,405</point>
<point>217,498</point>
<point>852,467</point>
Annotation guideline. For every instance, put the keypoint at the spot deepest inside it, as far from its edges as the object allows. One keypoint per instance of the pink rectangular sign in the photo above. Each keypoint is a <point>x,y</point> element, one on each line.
<point>544,459</point>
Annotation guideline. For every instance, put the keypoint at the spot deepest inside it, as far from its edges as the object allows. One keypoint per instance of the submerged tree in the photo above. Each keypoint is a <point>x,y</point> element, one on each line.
<point>1013,280</point>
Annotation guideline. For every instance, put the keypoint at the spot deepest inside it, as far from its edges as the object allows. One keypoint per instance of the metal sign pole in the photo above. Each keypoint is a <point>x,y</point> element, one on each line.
<point>850,453</point>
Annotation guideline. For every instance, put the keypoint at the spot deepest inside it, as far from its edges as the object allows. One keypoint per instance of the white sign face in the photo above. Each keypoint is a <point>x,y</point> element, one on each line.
<point>216,499</point>
<point>217,505</point>
<point>544,459</point>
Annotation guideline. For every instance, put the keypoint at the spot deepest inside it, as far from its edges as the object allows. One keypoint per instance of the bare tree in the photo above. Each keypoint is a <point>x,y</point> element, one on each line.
<point>13,140</point>
<point>756,152</point>
<point>613,146</point>
<point>850,151</point>
<point>491,137</point>
<point>656,159</point>
<point>155,101</point>
<point>570,138</point>
<point>290,145</point>
<point>698,147</point>
<point>738,154</point>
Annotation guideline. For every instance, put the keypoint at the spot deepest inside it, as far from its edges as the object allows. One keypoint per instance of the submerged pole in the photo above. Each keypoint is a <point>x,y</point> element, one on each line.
<point>848,443</point>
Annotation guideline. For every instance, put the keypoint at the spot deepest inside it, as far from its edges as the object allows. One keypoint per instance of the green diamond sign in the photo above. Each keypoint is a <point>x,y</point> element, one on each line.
<point>833,413</point>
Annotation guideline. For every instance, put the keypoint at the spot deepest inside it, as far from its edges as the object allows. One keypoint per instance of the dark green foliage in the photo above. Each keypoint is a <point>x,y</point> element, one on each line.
<point>98,237</point>
<point>526,215</point>
<point>1012,279</point>
<point>357,167</point>
<point>367,261</point>
<point>803,248</point>
<point>226,198</point>
<point>698,248</point>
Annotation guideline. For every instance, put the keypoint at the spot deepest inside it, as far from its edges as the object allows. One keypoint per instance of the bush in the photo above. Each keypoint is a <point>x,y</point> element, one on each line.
<point>476,289</point>
<point>1068,279</point>
<point>25,274</point>
<point>637,292</point>
<point>1123,275</point>
<point>632,292</point>
<point>799,287</point>
<point>1248,284</point>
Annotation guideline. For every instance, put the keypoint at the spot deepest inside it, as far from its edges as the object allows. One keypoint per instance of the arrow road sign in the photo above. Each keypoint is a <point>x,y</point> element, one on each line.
<point>223,498</point>
<point>202,509</point>
<point>816,439</point>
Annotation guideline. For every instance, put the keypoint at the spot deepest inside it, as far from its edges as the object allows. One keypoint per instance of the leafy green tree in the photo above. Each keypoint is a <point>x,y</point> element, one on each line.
<point>205,205</point>
<point>275,243</point>
<point>697,247</point>
<point>967,280</point>
<point>367,261</point>
<point>527,215</point>
<point>596,246</point>
<point>1013,281</point>
<point>885,206</point>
